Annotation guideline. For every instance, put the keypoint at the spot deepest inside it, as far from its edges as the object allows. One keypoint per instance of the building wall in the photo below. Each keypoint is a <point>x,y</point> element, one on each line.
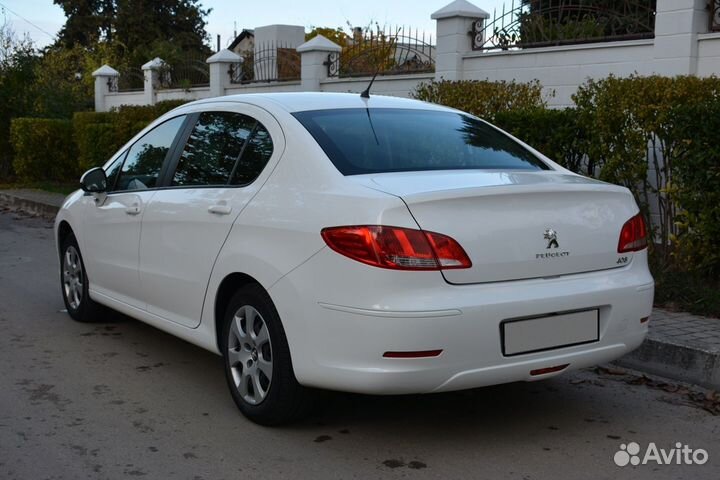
<point>561,70</point>
<point>708,55</point>
<point>393,85</point>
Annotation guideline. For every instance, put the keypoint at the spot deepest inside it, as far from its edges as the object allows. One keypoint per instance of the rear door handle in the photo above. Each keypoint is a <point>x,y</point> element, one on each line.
<point>133,209</point>
<point>220,209</point>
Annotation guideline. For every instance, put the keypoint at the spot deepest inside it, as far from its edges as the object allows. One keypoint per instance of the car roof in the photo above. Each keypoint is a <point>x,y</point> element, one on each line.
<point>305,101</point>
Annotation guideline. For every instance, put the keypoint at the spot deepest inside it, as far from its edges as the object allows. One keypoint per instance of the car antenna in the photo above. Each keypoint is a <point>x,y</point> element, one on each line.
<point>366,92</point>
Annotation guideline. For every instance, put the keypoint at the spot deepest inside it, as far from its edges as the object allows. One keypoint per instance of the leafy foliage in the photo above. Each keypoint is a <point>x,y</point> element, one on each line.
<point>134,24</point>
<point>17,70</point>
<point>634,137</point>
<point>44,149</point>
<point>88,21</point>
<point>335,35</point>
<point>695,188</point>
<point>483,98</point>
<point>555,133</point>
<point>98,135</point>
<point>62,83</point>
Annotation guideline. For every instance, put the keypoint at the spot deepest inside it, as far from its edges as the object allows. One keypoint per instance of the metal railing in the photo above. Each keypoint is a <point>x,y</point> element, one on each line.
<point>271,62</point>
<point>714,6</point>
<point>386,52</point>
<point>130,80</point>
<point>542,23</point>
<point>185,73</point>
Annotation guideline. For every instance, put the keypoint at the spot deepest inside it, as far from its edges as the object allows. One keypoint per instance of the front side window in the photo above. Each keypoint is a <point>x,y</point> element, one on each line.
<point>377,140</point>
<point>113,170</point>
<point>145,158</point>
<point>213,149</point>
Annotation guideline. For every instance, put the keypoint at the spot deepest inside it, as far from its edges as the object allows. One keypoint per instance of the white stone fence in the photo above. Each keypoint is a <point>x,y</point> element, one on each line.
<point>682,44</point>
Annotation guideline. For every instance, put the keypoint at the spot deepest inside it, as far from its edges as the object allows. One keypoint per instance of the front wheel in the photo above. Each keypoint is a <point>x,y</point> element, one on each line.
<point>74,283</point>
<point>258,367</point>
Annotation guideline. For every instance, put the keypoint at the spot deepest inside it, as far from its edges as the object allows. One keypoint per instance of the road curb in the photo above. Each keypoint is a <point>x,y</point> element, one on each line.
<point>675,361</point>
<point>27,205</point>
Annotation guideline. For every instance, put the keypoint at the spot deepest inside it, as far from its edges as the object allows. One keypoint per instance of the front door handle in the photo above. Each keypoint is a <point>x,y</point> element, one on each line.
<point>220,209</point>
<point>133,209</point>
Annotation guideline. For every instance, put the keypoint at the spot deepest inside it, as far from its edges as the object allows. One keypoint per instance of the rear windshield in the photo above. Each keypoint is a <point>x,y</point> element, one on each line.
<point>376,140</point>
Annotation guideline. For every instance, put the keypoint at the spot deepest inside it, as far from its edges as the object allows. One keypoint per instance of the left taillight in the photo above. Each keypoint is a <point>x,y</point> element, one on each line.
<point>633,236</point>
<point>396,248</point>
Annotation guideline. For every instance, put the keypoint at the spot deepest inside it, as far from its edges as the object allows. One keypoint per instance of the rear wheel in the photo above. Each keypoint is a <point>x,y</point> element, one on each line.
<point>74,283</point>
<point>258,367</point>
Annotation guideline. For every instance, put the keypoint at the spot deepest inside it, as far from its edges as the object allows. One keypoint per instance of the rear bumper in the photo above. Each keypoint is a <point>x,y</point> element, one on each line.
<point>341,316</point>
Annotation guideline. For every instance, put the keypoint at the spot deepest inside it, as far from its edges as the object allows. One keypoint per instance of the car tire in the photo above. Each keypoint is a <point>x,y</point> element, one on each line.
<point>257,361</point>
<point>74,283</point>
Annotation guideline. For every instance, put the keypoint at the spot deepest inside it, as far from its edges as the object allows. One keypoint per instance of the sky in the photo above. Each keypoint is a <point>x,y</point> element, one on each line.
<point>41,19</point>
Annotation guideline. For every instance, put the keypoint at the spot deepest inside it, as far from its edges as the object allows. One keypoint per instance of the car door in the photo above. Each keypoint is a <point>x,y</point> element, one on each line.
<point>210,181</point>
<point>112,223</point>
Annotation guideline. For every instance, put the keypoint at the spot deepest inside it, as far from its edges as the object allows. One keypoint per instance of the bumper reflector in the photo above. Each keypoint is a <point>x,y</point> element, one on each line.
<point>420,354</point>
<point>544,371</point>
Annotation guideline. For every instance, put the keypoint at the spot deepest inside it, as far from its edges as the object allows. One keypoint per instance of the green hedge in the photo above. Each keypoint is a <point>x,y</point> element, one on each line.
<point>98,135</point>
<point>61,150</point>
<point>555,133</point>
<point>695,188</point>
<point>44,149</point>
<point>483,98</point>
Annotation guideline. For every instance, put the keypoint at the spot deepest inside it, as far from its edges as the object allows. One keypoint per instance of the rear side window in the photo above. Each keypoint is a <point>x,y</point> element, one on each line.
<point>224,148</point>
<point>360,141</point>
<point>256,155</point>
<point>145,158</point>
<point>213,149</point>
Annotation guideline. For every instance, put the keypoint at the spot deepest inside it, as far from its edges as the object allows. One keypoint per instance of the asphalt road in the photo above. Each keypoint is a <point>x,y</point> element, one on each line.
<point>123,400</point>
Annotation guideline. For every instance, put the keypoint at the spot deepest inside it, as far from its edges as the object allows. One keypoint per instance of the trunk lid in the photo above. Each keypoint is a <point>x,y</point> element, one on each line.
<point>517,225</point>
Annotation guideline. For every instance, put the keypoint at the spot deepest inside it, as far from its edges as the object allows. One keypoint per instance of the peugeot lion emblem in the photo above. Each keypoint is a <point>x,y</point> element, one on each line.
<point>551,237</point>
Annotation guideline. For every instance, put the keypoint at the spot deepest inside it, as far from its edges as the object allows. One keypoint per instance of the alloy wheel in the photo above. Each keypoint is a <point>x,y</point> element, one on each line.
<point>73,277</point>
<point>250,354</point>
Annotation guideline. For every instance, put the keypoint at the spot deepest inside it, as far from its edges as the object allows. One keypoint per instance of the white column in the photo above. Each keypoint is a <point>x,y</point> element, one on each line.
<point>454,24</point>
<point>313,58</point>
<point>105,82</point>
<point>677,24</point>
<point>151,71</point>
<point>220,65</point>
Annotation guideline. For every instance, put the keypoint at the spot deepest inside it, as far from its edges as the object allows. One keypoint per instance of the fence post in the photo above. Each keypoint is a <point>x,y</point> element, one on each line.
<point>454,24</point>
<point>105,82</point>
<point>677,24</point>
<point>220,70</point>
<point>313,61</point>
<point>151,71</point>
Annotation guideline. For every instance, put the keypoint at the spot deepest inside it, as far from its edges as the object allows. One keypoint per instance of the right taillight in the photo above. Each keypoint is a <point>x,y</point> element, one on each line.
<point>396,248</point>
<point>633,236</point>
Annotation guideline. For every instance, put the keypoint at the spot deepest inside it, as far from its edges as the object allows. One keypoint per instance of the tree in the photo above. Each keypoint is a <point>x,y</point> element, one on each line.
<point>18,60</point>
<point>88,21</point>
<point>135,27</point>
<point>63,83</point>
<point>336,35</point>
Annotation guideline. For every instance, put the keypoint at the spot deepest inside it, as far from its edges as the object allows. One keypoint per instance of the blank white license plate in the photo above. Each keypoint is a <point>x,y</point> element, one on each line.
<point>554,331</point>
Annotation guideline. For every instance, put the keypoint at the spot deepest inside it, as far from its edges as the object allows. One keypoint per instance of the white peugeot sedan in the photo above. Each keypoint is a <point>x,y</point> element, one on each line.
<point>376,245</point>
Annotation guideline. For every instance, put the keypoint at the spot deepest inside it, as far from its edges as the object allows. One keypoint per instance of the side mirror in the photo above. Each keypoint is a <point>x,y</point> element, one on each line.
<point>94,181</point>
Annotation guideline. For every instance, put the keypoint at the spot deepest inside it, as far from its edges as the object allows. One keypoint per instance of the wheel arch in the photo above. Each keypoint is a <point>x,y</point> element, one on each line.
<point>64,230</point>
<point>229,285</point>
